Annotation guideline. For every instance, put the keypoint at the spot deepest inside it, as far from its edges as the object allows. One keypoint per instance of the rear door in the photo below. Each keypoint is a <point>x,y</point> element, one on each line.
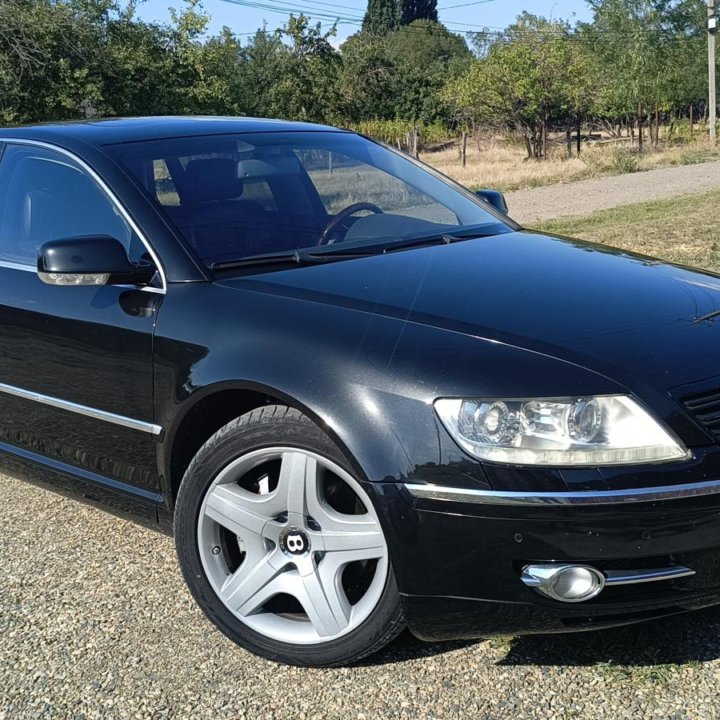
<point>76,383</point>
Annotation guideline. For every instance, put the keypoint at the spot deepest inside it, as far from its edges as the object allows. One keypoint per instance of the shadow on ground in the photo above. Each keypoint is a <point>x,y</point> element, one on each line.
<point>407,647</point>
<point>677,640</point>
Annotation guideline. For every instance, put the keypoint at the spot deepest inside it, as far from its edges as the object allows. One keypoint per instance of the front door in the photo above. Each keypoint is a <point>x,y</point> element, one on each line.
<point>76,387</point>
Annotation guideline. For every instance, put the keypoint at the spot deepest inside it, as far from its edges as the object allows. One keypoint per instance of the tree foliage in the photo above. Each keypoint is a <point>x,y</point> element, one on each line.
<point>384,16</point>
<point>412,10</point>
<point>529,77</point>
<point>63,59</point>
<point>635,58</point>
<point>381,17</point>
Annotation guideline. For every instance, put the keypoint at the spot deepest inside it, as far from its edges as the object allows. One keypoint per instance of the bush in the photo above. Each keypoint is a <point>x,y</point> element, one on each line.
<point>625,160</point>
<point>394,131</point>
<point>680,131</point>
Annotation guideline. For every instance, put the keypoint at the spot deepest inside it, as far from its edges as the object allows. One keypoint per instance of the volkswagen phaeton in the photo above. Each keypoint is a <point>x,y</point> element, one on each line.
<point>360,395</point>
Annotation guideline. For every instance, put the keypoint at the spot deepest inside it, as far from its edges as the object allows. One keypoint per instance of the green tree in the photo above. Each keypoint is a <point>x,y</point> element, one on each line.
<point>48,63</point>
<point>401,75</point>
<point>426,55</point>
<point>381,17</point>
<point>524,82</point>
<point>306,85</point>
<point>367,80</point>
<point>649,55</point>
<point>412,10</point>
<point>261,65</point>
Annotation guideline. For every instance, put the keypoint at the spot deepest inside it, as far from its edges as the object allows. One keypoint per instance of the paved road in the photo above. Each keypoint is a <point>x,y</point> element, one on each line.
<point>95,623</point>
<point>587,196</point>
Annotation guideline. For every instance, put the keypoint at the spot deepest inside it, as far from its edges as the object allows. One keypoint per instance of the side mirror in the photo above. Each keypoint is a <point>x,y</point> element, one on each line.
<point>90,260</point>
<point>495,198</point>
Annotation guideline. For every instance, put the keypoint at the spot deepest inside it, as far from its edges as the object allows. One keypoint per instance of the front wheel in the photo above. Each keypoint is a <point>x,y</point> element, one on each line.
<point>281,546</point>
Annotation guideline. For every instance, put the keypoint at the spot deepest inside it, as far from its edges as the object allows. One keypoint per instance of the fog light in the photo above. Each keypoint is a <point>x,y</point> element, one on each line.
<point>566,583</point>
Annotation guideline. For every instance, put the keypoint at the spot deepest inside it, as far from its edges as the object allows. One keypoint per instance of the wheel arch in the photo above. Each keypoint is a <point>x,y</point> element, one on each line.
<point>210,408</point>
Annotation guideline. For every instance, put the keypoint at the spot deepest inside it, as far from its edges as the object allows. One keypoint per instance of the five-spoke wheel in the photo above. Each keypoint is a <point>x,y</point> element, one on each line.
<point>287,541</point>
<point>291,544</point>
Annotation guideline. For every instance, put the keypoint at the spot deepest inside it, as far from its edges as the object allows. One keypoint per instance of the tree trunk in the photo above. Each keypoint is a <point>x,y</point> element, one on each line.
<point>692,119</point>
<point>640,128</point>
<point>651,135</point>
<point>657,123</point>
<point>463,149</point>
<point>528,145</point>
<point>568,141</point>
<point>578,128</point>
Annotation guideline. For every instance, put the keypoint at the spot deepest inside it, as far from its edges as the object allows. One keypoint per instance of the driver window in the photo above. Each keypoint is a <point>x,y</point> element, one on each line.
<point>45,196</point>
<point>338,179</point>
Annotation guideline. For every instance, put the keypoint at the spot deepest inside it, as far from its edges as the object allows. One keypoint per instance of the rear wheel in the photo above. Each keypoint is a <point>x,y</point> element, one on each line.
<point>281,546</point>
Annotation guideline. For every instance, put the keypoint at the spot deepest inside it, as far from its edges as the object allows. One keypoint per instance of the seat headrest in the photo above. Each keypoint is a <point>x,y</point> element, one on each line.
<point>211,179</point>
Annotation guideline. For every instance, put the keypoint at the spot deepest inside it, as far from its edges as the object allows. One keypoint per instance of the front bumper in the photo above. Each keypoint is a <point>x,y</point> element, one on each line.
<point>458,557</point>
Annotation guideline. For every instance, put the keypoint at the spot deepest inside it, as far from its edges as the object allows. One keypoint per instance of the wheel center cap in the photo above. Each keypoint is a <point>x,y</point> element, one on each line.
<point>294,542</point>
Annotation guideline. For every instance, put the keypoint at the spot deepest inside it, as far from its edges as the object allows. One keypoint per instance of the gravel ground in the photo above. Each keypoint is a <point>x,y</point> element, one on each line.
<point>95,622</point>
<point>588,196</point>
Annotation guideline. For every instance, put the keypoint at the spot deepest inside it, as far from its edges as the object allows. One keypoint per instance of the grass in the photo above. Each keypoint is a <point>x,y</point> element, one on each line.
<point>683,230</point>
<point>661,674</point>
<point>501,166</point>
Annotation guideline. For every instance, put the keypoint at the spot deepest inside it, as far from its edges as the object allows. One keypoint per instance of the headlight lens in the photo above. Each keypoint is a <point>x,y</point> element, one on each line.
<point>604,430</point>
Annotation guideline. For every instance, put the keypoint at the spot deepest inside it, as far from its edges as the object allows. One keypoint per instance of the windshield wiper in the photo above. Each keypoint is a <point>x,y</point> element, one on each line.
<point>382,246</point>
<point>439,239</point>
<point>295,257</point>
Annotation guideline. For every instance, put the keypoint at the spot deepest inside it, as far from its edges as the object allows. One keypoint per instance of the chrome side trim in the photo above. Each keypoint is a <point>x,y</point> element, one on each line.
<point>79,472</point>
<point>17,266</point>
<point>121,420</point>
<point>635,577</point>
<point>584,497</point>
<point>32,269</point>
<point>104,187</point>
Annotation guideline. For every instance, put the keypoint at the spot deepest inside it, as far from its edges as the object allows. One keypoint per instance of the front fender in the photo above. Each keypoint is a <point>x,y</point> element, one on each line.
<point>368,379</point>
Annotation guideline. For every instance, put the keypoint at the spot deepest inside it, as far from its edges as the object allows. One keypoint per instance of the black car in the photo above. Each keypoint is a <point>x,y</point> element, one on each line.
<point>361,396</point>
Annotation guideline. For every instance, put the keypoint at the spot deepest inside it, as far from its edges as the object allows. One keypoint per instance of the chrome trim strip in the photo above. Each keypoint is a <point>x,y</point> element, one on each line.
<point>121,420</point>
<point>31,269</point>
<point>635,577</point>
<point>18,266</point>
<point>584,497</point>
<point>104,187</point>
<point>77,471</point>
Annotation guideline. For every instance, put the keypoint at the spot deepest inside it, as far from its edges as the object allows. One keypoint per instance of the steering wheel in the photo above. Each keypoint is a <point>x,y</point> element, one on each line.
<point>343,215</point>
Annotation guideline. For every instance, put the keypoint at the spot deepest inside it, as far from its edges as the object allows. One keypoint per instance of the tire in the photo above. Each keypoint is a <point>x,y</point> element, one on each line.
<point>280,544</point>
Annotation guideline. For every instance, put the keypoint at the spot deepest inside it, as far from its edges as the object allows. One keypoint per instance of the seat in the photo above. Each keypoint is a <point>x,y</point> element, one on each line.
<point>212,214</point>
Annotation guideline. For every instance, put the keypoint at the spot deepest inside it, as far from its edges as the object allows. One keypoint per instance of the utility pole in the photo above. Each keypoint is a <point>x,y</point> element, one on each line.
<point>712,104</point>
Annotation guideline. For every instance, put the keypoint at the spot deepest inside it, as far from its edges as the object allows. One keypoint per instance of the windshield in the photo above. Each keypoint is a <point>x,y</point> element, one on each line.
<point>238,196</point>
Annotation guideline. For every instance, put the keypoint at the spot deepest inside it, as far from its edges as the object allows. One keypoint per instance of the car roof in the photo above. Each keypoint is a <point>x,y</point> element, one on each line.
<point>109,131</point>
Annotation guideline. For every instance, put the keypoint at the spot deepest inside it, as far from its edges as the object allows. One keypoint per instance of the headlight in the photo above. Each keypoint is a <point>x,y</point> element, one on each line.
<point>606,430</point>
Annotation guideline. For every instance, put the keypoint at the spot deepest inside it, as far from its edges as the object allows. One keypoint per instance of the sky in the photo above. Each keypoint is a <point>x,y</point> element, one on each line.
<point>244,16</point>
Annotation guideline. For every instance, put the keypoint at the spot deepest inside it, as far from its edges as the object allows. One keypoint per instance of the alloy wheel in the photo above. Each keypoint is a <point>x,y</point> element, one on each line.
<point>292,546</point>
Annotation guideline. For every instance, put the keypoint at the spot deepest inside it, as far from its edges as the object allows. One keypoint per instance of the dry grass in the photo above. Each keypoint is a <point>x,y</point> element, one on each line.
<point>502,166</point>
<point>682,230</point>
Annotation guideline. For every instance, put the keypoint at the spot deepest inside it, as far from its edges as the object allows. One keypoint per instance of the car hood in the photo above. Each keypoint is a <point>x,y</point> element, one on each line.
<point>631,318</point>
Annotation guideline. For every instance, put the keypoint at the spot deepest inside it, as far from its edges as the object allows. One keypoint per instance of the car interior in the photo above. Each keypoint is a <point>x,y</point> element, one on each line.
<point>230,205</point>
<point>44,199</point>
